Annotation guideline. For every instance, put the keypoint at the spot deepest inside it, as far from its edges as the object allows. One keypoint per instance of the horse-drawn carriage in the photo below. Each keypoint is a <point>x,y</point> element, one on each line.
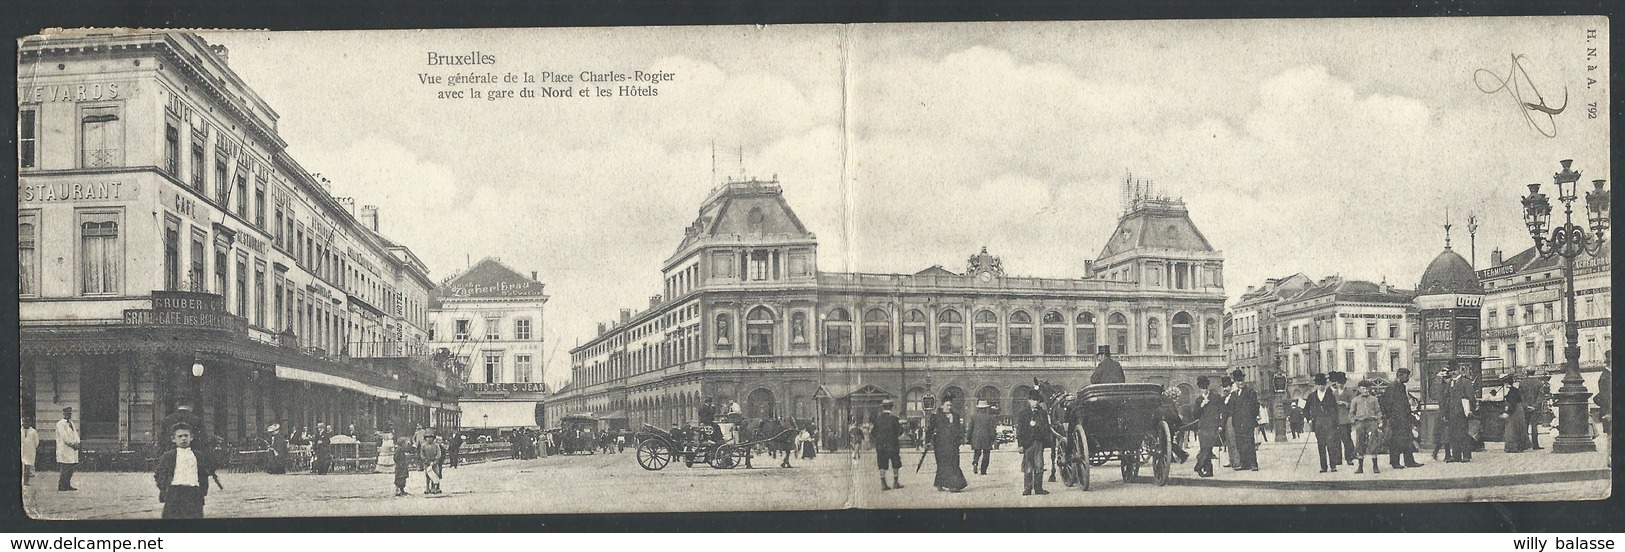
<point>578,434</point>
<point>656,448</point>
<point>1132,423</point>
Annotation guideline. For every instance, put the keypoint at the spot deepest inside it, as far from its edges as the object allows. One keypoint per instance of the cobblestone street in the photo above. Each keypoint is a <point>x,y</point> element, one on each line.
<point>615,483</point>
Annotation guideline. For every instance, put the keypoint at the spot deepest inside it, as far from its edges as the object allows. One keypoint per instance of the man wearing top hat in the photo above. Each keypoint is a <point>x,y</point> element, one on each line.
<point>1033,435</point>
<point>1244,420</point>
<point>1441,428</point>
<point>1458,409</point>
<point>1322,410</point>
<point>888,453</point>
<point>67,450</point>
<point>1109,371</point>
<point>981,429</point>
<point>1207,416</point>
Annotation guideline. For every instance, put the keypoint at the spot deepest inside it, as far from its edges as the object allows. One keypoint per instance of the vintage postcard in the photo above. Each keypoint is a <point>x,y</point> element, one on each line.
<point>879,266</point>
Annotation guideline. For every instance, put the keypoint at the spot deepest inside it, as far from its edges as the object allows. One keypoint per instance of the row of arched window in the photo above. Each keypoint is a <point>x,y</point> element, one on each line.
<point>1020,336</point>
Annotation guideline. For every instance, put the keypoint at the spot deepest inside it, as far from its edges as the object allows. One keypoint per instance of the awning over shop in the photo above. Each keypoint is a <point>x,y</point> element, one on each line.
<point>616,415</point>
<point>297,374</point>
<point>498,414</point>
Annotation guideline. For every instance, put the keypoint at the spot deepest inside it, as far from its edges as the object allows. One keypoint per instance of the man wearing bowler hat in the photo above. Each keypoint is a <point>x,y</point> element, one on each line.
<point>1109,371</point>
<point>980,429</point>
<point>67,450</point>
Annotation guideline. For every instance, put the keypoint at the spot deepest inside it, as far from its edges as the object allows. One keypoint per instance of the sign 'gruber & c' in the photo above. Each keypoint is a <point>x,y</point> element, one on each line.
<point>187,309</point>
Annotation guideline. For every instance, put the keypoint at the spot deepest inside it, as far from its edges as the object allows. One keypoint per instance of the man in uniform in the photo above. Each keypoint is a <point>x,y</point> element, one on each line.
<point>888,453</point>
<point>1398,423</point>
<point>980,429</point>
<point>1033,435</point>
<point>1109,371</point>
<point>1321,409</point>
<point>67,450</point>
<point>1244,420</point>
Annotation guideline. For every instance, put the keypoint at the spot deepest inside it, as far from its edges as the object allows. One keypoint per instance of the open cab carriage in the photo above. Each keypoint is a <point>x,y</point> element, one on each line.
<point>578,434</point>
<point>1132,423</point>
<point>656,448</point>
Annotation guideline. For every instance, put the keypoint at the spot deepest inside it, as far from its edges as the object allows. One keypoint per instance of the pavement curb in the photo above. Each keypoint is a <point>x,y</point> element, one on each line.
<point>1374,484</point>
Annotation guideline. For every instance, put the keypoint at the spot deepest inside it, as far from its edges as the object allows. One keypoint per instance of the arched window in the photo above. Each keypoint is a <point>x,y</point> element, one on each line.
<point>1153,333</point>
<point>1210,331</point>
<point>1021,333</point>
<point>1054,333</point>
<point>914,324</point>
<point>914,402</point>
<point>955,394</point>
<point>1181,332</point>
<point>760,404</point>
<point>725,331</point>
<point>838,332</point>
<point>798,329</point>
<point>1085,333</point>
<point>759,332</point>
<point>876,332</point>
<point>1117,331</point>
<point>987,333</point>
<point>950,333</point>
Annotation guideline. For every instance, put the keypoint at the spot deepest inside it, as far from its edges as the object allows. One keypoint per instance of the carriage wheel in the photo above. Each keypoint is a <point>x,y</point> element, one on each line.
<point>652,456</point>
<point>1131,465</point>
<point>1080,463</point>
<point>724,457</point>
<point>1162,459</point>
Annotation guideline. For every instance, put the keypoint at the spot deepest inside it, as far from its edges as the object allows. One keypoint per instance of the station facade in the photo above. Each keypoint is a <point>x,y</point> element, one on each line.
<point>746,316</point>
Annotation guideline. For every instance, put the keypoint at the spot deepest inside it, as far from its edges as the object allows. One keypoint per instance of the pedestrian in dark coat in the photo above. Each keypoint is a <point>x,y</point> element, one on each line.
<point>1345,418</point>
<point>1322,410</point>
<point>1604,400</point>
<point>403,467</point>
<point>946,433</point>
<point>1033,435</point>
<point>1294,420</point>
<point>321,449</point>
<point>1244,420</point>
<point>1458,408</point>
<point>456,448</point>
<point>278,445</point>
<point>888,452</point>
<point>1515,438</point>
<point>1398,425</point>
<point>981,429</point>
<point>1208,415</point>
<point>182,475</point>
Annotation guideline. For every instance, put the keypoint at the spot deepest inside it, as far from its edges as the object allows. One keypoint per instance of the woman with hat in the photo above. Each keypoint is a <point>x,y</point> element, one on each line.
<point>279,449</point>
<point>1516,437</point>
<point>946,433</point>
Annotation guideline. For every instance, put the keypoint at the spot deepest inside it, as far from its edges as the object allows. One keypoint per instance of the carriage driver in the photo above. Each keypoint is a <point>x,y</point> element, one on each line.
<point>708,415</point>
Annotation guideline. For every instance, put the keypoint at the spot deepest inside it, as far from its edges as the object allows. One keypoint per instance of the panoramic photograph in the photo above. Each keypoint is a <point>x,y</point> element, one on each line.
<point>814,267</point>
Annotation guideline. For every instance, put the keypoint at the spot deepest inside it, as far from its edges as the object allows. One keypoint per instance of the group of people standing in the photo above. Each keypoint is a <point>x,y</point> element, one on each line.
<point>1351,424</point>
<point>1231,415</point>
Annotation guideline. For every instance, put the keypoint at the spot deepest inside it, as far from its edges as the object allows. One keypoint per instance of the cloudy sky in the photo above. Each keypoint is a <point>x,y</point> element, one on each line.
<point>1323,147</point>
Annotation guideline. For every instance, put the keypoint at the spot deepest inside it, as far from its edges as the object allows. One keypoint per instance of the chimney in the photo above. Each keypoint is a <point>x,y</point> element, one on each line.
<point>1249,289</point>
<point>348,203</point>
<point>626,316</point>
<point>220,51</point>
<point>601,328</point>
<point>1495,257</point>
<point>654,301</point>
<point>533,275</point>
<point>369,216</point>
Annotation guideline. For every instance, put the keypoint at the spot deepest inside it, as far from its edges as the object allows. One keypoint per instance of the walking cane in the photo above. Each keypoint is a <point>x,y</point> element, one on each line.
<point>923,452</point>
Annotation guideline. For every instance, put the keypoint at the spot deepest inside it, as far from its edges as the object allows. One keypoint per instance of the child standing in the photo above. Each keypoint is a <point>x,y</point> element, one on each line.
<point>430,457</point>
<point>402,469</point>
<point>1367,413</point>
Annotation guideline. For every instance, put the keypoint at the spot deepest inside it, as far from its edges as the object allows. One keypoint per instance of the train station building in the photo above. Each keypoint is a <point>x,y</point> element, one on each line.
<point>746,315</point>
<point>170,248</point>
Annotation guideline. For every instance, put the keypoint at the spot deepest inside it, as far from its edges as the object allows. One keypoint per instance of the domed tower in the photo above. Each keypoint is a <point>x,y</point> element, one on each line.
<point>1449,299</point>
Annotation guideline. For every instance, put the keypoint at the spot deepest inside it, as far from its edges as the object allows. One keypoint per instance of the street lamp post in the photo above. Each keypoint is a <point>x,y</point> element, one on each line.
<point>1569,241</point>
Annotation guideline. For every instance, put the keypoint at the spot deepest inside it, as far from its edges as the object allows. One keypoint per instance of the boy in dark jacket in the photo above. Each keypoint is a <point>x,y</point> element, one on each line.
<point>403,471</point>
<point>183,476</point>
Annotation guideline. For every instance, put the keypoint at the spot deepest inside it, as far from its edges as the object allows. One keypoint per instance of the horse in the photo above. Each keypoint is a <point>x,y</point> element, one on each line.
<point>777,435</point>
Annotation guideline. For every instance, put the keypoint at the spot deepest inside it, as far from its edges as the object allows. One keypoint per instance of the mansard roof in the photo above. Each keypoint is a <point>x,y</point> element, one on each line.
<point>737,211</point>
<point>1156,224</point>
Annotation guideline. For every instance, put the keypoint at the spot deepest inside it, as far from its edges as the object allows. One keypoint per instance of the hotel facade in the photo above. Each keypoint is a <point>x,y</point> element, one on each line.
<point>169,248</point>
<point>487,321</point>
<point>746,316</point>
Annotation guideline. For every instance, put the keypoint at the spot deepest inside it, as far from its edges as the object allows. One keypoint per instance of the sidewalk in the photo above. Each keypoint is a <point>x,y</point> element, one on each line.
<point>1295,464</point>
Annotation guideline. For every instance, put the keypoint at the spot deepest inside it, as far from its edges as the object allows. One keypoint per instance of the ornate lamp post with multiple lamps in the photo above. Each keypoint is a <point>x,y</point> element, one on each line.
<point>1569,241</point>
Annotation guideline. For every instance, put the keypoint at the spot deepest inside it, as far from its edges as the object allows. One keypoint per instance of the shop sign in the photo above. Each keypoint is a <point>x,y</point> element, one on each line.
<point>217,321</point>
<point>192,301</point>
<point>88,92</point>
<point>71,191</point>
<point>531,387</point>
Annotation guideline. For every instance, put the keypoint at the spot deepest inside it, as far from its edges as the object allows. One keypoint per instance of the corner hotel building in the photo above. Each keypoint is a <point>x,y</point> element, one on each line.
<point>169,247</point>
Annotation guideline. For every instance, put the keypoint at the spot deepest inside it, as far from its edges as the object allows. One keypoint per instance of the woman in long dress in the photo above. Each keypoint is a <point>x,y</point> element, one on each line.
<point>946,433</point>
